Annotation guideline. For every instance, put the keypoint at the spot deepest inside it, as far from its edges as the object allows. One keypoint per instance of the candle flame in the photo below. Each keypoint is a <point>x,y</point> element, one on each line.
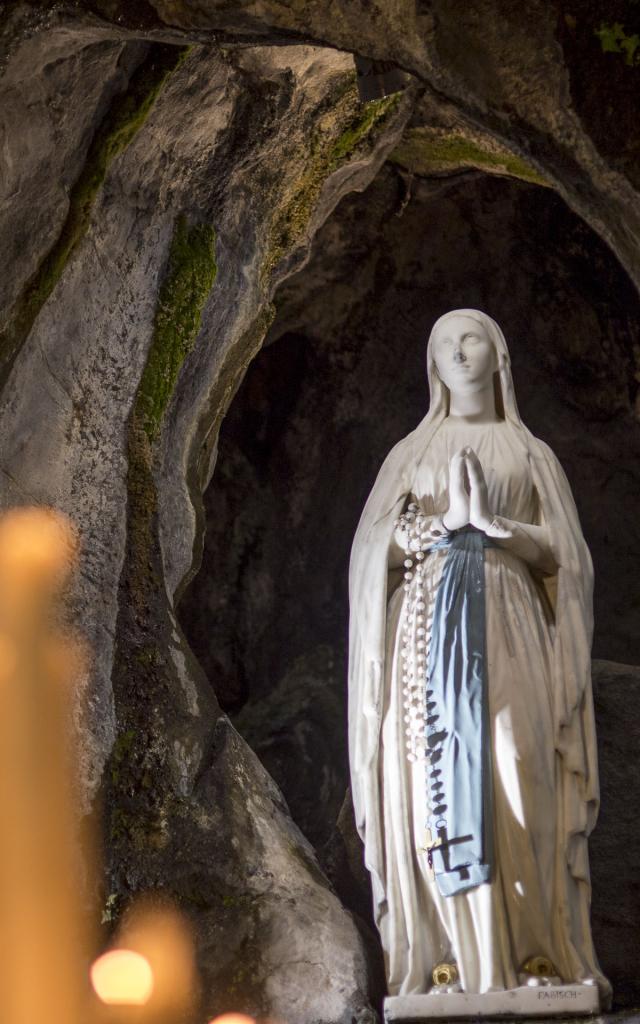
<point>122,978</point>
<point>233,1018</point>
<point>154,929</point>
<point>38,544</point>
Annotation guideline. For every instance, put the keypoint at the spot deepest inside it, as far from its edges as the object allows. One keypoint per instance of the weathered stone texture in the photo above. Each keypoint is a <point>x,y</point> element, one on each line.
<point>615,908</point>
<point>51,99</point>
<point>188,807</point>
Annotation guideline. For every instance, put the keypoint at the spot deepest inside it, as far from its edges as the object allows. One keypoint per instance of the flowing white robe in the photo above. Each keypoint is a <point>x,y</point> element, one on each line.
<point>542,727</point>
<point>493,929</point>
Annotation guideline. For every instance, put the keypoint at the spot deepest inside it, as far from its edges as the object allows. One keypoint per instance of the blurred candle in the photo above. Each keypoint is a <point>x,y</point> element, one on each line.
<point>41,923</point>
<point>149,976</point>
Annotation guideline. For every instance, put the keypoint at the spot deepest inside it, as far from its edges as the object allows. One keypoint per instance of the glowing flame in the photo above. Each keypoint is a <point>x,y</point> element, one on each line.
<point>122,977</point>
<point>38,543</point>
<point>233,1018</point>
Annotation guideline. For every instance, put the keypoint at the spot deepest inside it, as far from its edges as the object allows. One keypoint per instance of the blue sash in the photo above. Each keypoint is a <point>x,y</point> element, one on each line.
<point>456,721</point>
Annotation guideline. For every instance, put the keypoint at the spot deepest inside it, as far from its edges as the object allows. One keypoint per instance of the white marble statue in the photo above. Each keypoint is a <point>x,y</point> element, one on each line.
<point>471,732</point>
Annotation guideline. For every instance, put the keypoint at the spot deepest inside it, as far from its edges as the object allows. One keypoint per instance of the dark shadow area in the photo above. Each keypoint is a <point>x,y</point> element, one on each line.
<point>340,380</point>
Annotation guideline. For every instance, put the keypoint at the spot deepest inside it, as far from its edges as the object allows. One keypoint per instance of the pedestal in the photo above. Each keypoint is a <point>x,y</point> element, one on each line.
<point>543,1001</point>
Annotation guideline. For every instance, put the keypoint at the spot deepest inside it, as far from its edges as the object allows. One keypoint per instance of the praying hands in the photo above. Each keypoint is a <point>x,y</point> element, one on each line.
<point>468,497</point>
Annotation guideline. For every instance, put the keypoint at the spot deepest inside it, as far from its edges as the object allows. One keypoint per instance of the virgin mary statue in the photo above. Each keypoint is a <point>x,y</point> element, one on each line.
<point>471,730</point>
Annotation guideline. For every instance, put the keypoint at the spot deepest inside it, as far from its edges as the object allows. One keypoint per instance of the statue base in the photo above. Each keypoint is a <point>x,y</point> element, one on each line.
<point>526,1001</point>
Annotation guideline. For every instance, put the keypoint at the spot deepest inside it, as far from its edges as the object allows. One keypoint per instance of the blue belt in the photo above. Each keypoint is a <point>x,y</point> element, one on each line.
<point>456,721</point>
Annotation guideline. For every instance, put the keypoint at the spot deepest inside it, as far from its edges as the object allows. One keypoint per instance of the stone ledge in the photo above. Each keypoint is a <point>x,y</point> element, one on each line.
<point>547,1001</point>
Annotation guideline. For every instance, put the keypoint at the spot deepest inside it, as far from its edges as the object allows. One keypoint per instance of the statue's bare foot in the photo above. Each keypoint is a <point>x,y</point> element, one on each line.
<point>589,980</point>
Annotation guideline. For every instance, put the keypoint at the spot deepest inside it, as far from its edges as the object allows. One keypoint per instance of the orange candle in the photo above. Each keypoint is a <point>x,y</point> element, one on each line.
<point>41,924</point>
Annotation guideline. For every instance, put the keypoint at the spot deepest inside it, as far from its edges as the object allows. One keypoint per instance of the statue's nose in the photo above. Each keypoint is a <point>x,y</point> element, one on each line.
<point>459,356</point>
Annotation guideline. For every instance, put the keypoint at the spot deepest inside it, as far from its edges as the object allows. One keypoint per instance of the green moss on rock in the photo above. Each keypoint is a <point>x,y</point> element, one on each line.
<point>124,119</point>
<point>344,127</point>
<point>366,119</point>
<point>614,39</point>
<point>425,151</point>
<point>121,750</point>
<point>190,277</point>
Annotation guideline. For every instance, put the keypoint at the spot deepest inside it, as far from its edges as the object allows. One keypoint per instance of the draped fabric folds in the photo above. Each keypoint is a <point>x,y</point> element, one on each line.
<point>459,766</point>
<point>371,585</point>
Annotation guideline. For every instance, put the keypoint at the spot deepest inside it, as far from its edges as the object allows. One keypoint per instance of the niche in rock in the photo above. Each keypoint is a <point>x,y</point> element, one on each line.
<point>340,379</point>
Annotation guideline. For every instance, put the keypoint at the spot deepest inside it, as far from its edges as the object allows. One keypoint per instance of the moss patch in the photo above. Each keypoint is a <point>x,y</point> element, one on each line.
<point>343,128</point>
<point>184,291</point>
<point>369,115</point>
<point>120,752</point>
<point>614,39</point>
<point>191,273</point>
<point>426,152</point>
<point>124,119</point>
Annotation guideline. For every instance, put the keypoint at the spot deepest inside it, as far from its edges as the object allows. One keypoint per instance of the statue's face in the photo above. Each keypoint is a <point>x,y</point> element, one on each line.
<point>464,355</point>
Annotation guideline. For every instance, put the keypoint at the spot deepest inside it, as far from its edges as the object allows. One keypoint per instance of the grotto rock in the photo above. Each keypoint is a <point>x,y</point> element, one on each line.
<point>612,848</point>
<point>518,73</point>
<point>298,733</point>
<point>167,223</point>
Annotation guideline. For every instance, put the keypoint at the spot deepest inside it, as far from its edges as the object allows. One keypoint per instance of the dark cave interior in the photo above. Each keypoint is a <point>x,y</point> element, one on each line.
<point>340,379</point>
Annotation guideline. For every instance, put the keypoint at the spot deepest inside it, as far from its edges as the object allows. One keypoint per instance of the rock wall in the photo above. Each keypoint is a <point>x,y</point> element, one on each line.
<point>168,219</point>
<point>515,74</point>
